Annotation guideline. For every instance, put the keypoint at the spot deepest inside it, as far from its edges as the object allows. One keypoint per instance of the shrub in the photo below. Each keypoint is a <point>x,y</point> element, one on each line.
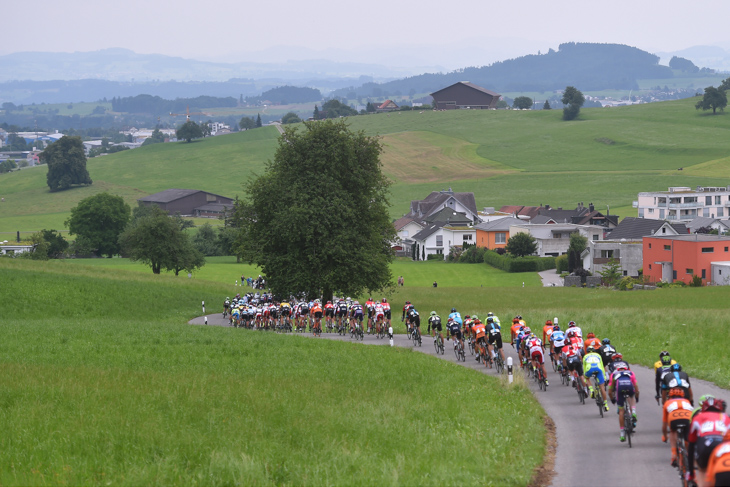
<point>518,264</point>
<point>626,284</point>
<point>561,263</point>
<point>434,257</point>
<point>696,281</point>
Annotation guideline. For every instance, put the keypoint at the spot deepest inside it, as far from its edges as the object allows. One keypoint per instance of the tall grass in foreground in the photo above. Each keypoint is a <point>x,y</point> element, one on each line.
<point>103,382</point>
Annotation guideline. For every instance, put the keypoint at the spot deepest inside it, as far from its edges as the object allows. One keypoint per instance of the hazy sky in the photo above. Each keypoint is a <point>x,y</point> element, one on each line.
<point>224,29</point>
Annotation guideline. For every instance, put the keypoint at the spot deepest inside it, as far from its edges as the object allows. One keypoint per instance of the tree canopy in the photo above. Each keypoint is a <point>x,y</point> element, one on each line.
<point>335,109</point>
<point>328,229</point>
<point>247,123</point>
<point>572,100</point>
<point>189,131</point>
<point>712,99</point>
<point>66,162</point>
<point>290,117</point>
<point>522,102</point>
<point>99,220</point>
<point>578,244</point>
<point>157,240</point>
<point>521,244</point>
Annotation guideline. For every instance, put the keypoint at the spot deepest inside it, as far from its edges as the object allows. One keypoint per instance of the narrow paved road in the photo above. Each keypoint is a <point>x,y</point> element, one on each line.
<point>589,452</point>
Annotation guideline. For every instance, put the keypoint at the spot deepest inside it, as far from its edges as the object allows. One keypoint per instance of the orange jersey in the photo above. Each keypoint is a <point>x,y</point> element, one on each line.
<point>515,328</point>
<point>316,308</point>
<point>676,409</point>
<point>478,329</point>
<point>547,330</point>
<point>592,342</point>
<point>719,464</point>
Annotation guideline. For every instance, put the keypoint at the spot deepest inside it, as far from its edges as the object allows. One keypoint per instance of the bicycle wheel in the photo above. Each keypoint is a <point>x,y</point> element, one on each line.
<point>463,354</point>
<point>581,393</point>
<point>628,423</point>
<point>441,346</point>
<point>456,349</point>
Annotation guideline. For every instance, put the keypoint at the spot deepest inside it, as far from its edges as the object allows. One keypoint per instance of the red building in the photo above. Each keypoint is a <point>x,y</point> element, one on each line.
<point>679,257</point>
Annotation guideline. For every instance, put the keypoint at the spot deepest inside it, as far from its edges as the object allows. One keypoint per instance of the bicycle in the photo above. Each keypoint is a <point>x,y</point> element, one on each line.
<point>416,337</point>
<point>438,344</point>
<point>581,390</point>
<point>471,346</point>
<point>459,351</point>
<point>628,417</point>
<point>683,457</point>
<point>556,365</point>
<point>499,363</point>
<point>597,394</point>
<point>541,379</point>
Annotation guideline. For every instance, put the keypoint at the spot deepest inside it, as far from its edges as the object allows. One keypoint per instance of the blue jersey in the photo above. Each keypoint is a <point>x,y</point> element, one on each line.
<point>558,338</point>
<point>456,317</point>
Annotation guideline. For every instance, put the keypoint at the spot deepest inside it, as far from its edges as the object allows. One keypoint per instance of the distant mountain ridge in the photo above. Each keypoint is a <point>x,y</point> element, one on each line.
<point>588,66</point>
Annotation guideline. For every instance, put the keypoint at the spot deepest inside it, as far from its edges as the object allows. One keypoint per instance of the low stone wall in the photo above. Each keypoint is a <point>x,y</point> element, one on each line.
<point>569,281</point>
<point>593,281</point>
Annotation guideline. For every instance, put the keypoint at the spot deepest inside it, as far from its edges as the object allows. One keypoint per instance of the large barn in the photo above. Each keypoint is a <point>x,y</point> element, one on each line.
<point>188,202</point>
<point>464,95</point>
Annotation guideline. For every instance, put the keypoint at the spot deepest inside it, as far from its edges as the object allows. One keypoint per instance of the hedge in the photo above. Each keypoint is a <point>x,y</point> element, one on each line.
<point>562,263</point>
<point>518,264</point>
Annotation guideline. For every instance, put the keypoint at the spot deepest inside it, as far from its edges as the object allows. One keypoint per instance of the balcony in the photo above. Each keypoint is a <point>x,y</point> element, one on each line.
<point>605,260</point>
<point>686,205</point>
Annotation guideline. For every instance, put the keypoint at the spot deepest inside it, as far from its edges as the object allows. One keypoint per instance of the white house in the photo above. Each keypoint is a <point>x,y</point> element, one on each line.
<point>682,203</point>
<point>439,238</point>
<point>553,239</point>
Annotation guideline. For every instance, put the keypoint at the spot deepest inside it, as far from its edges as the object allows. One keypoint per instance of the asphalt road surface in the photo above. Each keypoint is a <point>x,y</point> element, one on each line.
<point>589,452</point>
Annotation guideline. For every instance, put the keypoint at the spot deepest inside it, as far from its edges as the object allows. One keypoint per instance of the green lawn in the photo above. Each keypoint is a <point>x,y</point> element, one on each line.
<point>505,157</point>
<point>111,386</point>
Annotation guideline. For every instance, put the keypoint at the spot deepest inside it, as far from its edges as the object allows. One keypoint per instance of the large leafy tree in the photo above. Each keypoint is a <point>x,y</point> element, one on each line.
<point>572,100</point>
<point>157,240</point>
<point>99,220</point>
<point>712,99</point>
<point>247,123</point>
<point>521,244</point>
<point>66,162</point>
<point>522,102</point>
<point>189,131</point>
<point>327,229</point>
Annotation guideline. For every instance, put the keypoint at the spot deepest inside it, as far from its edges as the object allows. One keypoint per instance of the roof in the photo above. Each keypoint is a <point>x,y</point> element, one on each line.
<point>428,231</point>
<point>449,216</point>
<point>695,237</point>
<point>632,228</point>
<point>500,225</point>
<point>528,211</point>
<point>403,221</point>
<point>470,85</point>
<point>386,103</point>
<point>170,195</point>
<point>546,231</point>
<point>701,222</point>
<point>436,199</point>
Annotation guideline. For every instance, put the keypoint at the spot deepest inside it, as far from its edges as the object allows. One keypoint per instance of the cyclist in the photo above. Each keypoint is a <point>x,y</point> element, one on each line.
<point>406,307</point>
<point>574,365</point>
<point>434,321</point>
<point>379,314</point>
<point>479,333</point>
<point>623,380</point>
<point>329,313</point>
<point>455,331</point>
<point>557,342</point>
<point>495,318</point>
<point>661,368</point>
<point>235,315</point>
<point>718,469</point>
<point>370,306</point>
<point>285,312</point>
<point>494,337</point>
<point>341,313</point>
<point>593,367</point>
<point>386,310</point>
<point>316,313</point>
<point>676,412</point>
<point>706,431</point>
<point>414,319</point>
<point>303,314</point>
<point>456,316</point>
<point>606,351</point>
<point>617,361</point>
<point>226,306</point>
<point>576,331</point>
<point>547,330</point>
<point>356,316</point>
<point>536,352</point>
<point>592,342</point>
<point>676,378</point>
<point>514,329</point>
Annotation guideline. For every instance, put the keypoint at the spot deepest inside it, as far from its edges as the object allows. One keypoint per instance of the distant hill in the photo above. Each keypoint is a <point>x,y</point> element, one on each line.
<point>588,66</point>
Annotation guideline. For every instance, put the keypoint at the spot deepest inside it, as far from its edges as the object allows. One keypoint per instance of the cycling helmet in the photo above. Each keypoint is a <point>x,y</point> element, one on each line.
<point>527,330</point>
<point>622,366</point>
<point>548,322</point>
<point>384,300</point>
<point>704,398</point>
<point>676,368</point>
<point>676,392</point>
<point>591,335</point>
<point>515,320</point>
<point>475,317</point>
<point>617,356</point>
<point>590,350</point>
<point>408,302</point>
<point>666,359</point>
<point>490,319</point>
<point>228,299</point>
<point>571,324</point>
<point>329,302</point>
<point>433,313</point>
<point>714,404</point>
<point>467,317</point>
<point>370,299</point>
<point>606,341</point>
<point>519,317</point>
<point>490,314</point>
<point>453,310</point>
<point>556,328</point>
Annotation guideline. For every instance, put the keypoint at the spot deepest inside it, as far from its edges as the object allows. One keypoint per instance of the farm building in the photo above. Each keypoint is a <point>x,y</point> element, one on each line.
<point>188,202</point>
<point>464,95</point>
<point>386,106</point>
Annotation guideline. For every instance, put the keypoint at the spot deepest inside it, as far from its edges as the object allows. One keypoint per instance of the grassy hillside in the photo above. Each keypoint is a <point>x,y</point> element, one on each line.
<point>113,387</point>
<point>504,157</point>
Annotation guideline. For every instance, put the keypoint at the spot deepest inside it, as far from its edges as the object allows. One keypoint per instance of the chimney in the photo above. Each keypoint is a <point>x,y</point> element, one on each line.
<point>591,208</point>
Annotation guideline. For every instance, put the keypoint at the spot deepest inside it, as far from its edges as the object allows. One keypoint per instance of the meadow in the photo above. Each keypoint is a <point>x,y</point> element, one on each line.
<point>112,386</point>
<point>607,156</point>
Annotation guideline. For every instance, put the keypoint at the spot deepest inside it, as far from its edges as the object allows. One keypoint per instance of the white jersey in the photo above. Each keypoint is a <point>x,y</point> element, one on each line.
<point>578,332</point>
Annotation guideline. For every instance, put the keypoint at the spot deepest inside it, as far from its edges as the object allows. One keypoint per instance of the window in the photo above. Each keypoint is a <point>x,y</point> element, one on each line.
<point>708,200</point>
<point>674,275</point>
<point>706,212</point>
<point>661,214</point>
<point>606,254</point>
<point>717,200</point>
<point>649,245</point>
<point>557,235</point>
<point>720,211</point>
<point>439,240</point>
<point>641,212</point>
<point>626,273</point>
<point>595,237</point>
<point>467,237</point>
<point>649,266</point>
<point>704,276</point>
<point>725,249</point>
<point>667,247</point>
<point>664,230</point>
<point>690,271</point>
<point>708,250</point>
<point>500,237</point>
<point>440,251</point>
<point>404,233</point>
<point>651,210</point>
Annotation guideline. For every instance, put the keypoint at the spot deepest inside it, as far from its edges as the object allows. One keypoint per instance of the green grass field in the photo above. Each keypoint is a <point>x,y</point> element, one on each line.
<point>103,382</point>
<point>504,157</point>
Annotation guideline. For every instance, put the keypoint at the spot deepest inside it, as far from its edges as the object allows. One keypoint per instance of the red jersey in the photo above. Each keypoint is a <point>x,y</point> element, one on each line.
<point>708,423</point>
<point>386,307</point>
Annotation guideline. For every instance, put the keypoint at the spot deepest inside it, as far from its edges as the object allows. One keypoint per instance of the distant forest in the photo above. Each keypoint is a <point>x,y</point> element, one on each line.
<point>588,66</point>
<point>154,105</point>
<point>284,95</point>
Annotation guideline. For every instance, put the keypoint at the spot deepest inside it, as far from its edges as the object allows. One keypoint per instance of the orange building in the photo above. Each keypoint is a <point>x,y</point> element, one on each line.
<point>495,234</point>
<point>679,257</point>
